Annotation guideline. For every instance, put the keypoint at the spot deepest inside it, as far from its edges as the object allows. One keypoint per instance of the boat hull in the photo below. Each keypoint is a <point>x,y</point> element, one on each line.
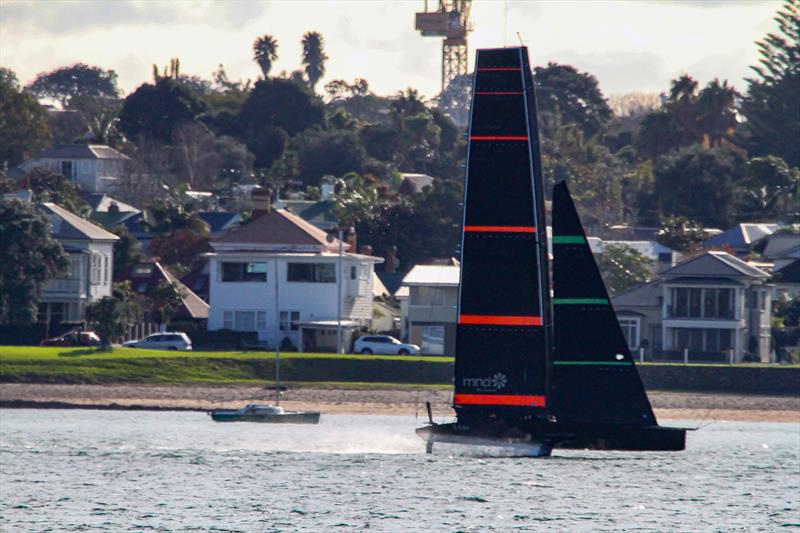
<point>553,435</point>
<point>282,418</point>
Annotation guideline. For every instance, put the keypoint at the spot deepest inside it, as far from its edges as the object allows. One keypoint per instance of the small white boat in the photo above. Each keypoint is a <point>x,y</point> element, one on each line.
<point>265,413</point>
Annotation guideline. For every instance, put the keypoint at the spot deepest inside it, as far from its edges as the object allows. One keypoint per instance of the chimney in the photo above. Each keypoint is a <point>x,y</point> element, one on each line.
<point>262,201</point>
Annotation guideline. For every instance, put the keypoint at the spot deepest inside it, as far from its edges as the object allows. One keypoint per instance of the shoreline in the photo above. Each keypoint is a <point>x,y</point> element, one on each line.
<point>668,405</point>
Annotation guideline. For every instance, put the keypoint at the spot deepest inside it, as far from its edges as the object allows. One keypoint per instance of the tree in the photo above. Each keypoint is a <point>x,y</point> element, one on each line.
<point>379,141</point>
<point>179,248</point>
<point>155,111</point>
<point>699,183</point>
<point>328,152</point>
<point>126,249</point>
<point>65,83</point>
<point>623,267</point>
<point>454,100</point>
<point>112,316</point>
<point>197,161</point>
<point>281,104</point>
<point>23,125</point>
<point>770,106</point>
<point>769,191</point>
<point>164,300</point>
<point>9,77</point>
<point>680,234</point>
<point>30,257</point>
<point>265,53</point>
<point>49,186</point>
<point>576,95</point>
<point>314,57</point>
<point>716,111</point>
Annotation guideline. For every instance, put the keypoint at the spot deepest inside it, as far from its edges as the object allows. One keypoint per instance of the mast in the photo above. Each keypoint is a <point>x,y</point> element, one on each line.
<point>504,318</point>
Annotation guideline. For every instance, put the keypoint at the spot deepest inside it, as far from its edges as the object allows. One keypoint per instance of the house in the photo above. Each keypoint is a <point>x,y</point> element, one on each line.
<point>103,203</point>
<point>145,276</point>
<point>413,183</point>
<point>429,313</point>
<point>90,273</point>
<point>280,276</point>
<point>220,222</point>
<point>741,238</point>
<point>92,167</point>
<point>714,305</point>
<point>318,212</point>
<point>661,257</point>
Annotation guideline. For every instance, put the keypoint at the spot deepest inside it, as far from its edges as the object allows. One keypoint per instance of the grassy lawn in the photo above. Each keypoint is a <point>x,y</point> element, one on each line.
<point>26,364</point>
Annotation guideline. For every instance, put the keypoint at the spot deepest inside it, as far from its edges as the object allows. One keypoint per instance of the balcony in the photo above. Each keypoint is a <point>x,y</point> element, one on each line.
<point>64,287</point>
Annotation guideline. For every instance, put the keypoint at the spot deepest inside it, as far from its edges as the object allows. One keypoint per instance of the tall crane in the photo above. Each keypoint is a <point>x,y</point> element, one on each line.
<point>451,21</point>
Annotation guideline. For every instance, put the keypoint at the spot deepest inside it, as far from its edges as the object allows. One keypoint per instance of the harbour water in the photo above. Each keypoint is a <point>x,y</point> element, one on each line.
<point>167,471</point>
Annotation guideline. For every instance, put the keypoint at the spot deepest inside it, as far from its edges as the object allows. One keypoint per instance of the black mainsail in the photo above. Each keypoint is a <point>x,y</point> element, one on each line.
<point>594,379</point>
<point>502,338</point>
<point>523,374</point>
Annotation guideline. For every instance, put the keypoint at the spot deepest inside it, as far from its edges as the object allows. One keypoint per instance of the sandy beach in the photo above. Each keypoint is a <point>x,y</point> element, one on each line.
<point>400,401</point>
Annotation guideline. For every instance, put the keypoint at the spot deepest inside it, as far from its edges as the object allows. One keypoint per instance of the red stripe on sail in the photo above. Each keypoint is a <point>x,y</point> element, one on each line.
<point>499,69</point>
<point>500,320</point>
<point>499,399</point>
<point>500,229</point>
<point>498,138</point>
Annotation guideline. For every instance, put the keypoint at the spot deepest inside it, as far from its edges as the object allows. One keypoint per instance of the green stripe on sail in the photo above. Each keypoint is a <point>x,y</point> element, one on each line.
<point>579,301</point>
<point>612,363</point>
<point>568,239</point>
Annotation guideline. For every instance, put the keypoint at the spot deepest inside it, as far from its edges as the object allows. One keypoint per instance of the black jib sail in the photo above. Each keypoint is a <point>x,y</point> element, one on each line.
<point>594,379</point>
<point>504,319</point>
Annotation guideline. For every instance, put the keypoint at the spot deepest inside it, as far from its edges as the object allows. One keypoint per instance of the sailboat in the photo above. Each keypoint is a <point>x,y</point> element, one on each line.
<point>533,369</point>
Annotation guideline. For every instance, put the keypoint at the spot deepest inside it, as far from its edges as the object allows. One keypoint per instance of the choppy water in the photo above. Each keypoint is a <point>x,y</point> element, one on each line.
<point>122,471</point>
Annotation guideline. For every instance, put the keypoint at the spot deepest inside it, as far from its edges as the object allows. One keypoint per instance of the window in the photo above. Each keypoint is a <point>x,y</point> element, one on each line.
<point>665,257</point>
<point>96,269</point>
<point>105,269</point>
<point>290,320</point>
<point>353,271</point>
<point>433,296</point>
<point>244,272</point>
<point>311,273</point>
<point>702,303</point>
<point>66,169</point>
<point>245,320</point>
<point>630,328</point>
<point>702,340</point>
<point>433,340</point>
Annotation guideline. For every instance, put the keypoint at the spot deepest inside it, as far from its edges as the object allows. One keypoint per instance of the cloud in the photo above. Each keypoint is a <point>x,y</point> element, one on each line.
<point>67,17</point>
<point>619,71</point>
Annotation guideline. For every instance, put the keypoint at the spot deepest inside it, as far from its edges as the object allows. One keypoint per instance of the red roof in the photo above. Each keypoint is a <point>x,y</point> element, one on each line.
<point>280,227</point>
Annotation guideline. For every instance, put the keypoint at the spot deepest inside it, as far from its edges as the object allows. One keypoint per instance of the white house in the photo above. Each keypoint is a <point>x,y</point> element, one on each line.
<point>429,308</point>
<point>280,276</point>
<point>93,168</point>
<point>91,259</point>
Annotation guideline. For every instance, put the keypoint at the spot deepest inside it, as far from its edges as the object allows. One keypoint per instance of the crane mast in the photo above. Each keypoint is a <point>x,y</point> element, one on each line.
<point>451,21</point>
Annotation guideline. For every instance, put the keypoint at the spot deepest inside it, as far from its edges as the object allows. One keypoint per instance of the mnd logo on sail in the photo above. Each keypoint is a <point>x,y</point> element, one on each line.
<point>493,383</point>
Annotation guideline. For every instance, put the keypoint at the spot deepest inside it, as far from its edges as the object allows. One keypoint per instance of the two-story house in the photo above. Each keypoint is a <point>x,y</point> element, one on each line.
<point>89,277</point>
<point>284,278</point>
<point>93,168</point>
<point>429,312</point>
<point>714,305</point>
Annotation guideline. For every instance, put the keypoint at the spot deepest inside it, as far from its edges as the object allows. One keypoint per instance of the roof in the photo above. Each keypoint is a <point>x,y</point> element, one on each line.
<point>147,274</point>
<point>644,295</point>
<point>741,236</point>
<point>320,213</point>
<point>111,220</point>
<point>219,220</point>
<point>781,244</point>
<point>378,288</point>
<point>440,275</point>
<point>417,181</point>
<point>69,226</point>
<point>100,202</point>
<point>80,151</point>
<point>789,273</point>
<point>279,228</point>
<point>714,264</point>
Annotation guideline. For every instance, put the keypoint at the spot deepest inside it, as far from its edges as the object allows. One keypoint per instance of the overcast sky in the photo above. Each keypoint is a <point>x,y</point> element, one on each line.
<point>632,45</point>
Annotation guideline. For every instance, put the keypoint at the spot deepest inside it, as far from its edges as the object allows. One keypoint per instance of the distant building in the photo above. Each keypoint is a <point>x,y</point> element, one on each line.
<point>277,275</point>
<point>713,304</point>
<point>661,257</point>
<point>429,312</point>
<point>93,168</point>
<point>146,275</point>
<point>90,273</point>
<point>741,238</point>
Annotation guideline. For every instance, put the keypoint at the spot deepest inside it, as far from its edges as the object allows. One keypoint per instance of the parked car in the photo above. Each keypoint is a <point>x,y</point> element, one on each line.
<point>73,338</point>
<point>169,340</point>
<point>383,344</point>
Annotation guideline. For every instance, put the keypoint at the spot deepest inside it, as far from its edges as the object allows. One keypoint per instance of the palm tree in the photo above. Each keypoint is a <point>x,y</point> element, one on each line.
<point>265,52</point>
<point>313,57</point>
<point>716,106</point>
